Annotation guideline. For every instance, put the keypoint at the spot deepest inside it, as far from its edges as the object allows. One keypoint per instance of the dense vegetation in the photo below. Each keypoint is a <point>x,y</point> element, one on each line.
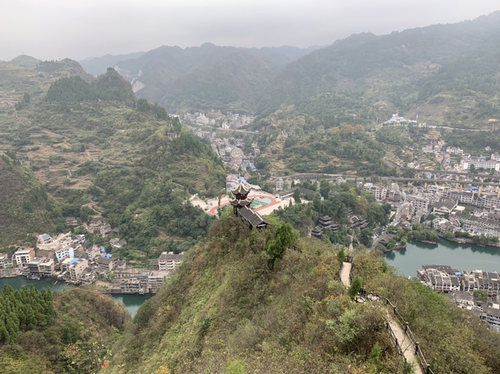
<point>101,153</point>
<point>453,340</point>
<point>25,207</point>
<point>227,310</point>
<point>66,332</point>
<point>109,86</point>
<point>24,309</point>
<point>441,72</point>
<point>337,203</point>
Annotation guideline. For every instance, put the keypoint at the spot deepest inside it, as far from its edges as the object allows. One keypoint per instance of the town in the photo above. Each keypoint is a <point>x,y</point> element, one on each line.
<point>73,260</point>
<point>477,291</point>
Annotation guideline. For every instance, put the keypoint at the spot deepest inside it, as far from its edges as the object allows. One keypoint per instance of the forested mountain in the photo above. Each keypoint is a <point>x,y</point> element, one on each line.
<point>443,73</point>
<point>98,65</point>
<point>206,77</point>
<point>99,152</point>
<point>237,306</point>
<point>25,207</point>
<point>70,331</point>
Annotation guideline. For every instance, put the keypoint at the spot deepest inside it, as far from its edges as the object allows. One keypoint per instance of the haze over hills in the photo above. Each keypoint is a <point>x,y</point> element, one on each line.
<point>443,73</point>
<point>205,77</point>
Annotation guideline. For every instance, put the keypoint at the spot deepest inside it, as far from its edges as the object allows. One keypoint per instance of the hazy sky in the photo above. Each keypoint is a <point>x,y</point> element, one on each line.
<point>52,29</point>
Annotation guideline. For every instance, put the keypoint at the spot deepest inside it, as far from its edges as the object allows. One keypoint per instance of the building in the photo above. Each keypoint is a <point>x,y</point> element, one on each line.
<point>41,267</point>
<point>77,268</point>
<point>444,207</point>
<point>104,264</point>
<point>169,261</point>
<point>3,261</point>
<point>480,226</point>
<point>380,193</point>
<point>23,257</point>
<point>44,239</point>
<point>63,253</point>
<point>419,203</point>
<point>241,205</point>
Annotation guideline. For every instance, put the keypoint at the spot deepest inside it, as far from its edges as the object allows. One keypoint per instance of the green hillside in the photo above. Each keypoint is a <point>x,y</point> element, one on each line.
<point>25,207</point>
<point>99,152</point>
<point>66,332</point>
<point>228,311</point>
<point>443,73</point>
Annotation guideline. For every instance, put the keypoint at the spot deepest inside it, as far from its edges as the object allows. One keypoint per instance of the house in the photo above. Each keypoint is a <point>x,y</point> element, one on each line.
<point>41,267</point>
<point>444,206</point>
<point>77,268</point>
<point>169,261</point>
<point>3,261</point>
<point>104,264</point>
<point>63,253</point>
<point>22,257</point>
<point>153,264</point>
<point>44,239</point>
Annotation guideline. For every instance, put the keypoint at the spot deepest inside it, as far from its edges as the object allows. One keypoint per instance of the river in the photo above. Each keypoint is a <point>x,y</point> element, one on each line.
<point>461,257</point>
<point>131,302</point>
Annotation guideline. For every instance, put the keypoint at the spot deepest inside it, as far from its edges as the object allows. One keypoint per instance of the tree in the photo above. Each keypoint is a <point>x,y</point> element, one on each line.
<point>341,255</point>
<point>324,188</point>
<point>296,196</point>
<point>366,236</point>
<point>283,237</point>
<point>356,286</point>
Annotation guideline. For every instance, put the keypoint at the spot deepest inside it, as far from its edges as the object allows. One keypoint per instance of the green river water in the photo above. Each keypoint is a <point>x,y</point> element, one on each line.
<point>460,257</point>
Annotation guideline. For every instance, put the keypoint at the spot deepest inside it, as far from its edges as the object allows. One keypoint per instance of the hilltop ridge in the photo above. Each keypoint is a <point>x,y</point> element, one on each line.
<point>227,311</point>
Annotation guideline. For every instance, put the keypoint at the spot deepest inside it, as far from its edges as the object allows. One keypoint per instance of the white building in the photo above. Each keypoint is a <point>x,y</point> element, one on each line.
<point>63,253</point>
<point>169,261</point>
<point>23,257</point>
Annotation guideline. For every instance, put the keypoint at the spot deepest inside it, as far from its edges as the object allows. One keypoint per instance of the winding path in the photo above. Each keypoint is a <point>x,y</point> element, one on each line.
<point>402,339</point>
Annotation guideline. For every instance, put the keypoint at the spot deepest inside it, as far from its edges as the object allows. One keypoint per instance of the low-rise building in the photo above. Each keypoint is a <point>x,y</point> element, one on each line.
<point>169,261</point>
<point>104,264</point>
<point>63,253</point>
<point>3,260</point>
<point>77,268</point>
<point>22,257</point>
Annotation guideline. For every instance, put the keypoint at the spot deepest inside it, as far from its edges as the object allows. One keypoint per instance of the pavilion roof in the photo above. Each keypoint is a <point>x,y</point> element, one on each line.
<point>242,189</point>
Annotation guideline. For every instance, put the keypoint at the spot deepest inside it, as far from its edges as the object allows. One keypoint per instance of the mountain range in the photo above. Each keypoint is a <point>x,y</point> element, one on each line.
<point>442,73</point>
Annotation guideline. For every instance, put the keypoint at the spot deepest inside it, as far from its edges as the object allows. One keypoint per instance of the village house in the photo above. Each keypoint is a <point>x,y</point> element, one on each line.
<point>22,257</point>
<point>76,268</point>
<point>63,253</point>
<point>3,261</point>
<point>104,264</point>
<point>41,267</point>
<point>169,261</point>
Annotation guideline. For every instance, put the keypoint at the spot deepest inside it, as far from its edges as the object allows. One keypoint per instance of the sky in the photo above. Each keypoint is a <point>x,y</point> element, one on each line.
<point>54,29</point>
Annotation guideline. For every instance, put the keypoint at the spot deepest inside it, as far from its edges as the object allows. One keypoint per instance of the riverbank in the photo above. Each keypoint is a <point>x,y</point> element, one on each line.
<point>463,241</point>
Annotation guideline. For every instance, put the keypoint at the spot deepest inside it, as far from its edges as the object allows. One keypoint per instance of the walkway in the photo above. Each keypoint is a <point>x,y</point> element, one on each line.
<point>404,342</point>
<point>345,274</point>
<point>398,333</point>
